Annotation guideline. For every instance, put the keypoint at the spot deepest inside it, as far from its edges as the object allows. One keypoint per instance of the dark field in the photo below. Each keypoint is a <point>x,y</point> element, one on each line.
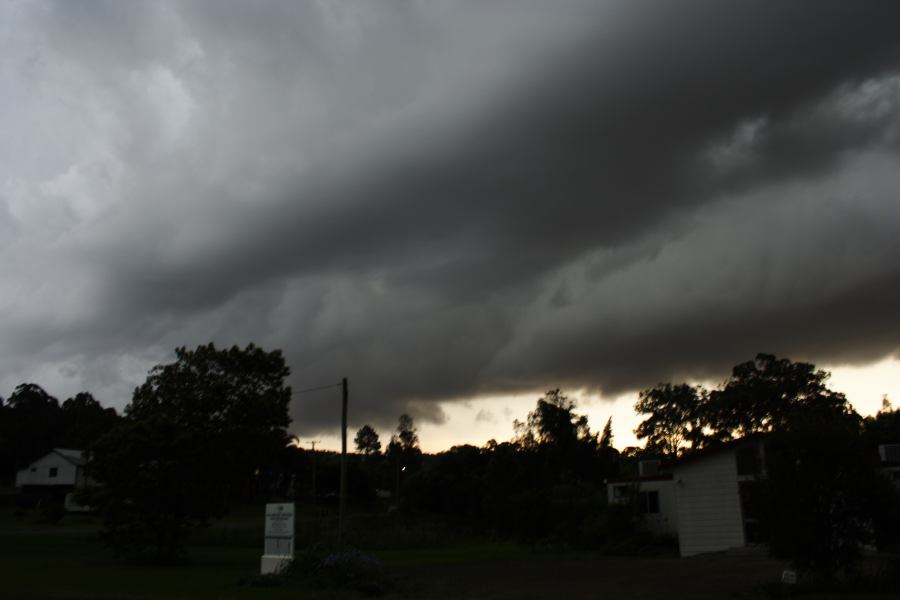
<point>66,561</point>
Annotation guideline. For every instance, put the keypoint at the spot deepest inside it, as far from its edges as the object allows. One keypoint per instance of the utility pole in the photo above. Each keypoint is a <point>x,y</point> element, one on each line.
<point>343,500</point>
<point>313,444</point>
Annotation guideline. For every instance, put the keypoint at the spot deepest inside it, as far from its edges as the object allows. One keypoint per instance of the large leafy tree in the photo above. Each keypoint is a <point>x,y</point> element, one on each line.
<point>32,426</point>
<point>560,439</point>
<point>197,433</point>
<point>84,421</point>
<point>762,395</point>
<point>553,422</point>
<point>822,500</point>
<point>766,394</point>
<point>234,396</point>
<point>674,419</point>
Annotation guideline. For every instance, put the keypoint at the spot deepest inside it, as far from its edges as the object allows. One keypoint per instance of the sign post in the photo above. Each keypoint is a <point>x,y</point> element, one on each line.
<point>279,545</point>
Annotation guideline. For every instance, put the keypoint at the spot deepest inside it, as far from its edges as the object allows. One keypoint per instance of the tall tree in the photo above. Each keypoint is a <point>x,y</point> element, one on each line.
<point>762,395</point>
<point>406,432</point>
<point>553,422</point>
<point>367,441</point>
<point>33,426</point>
<point>403,448</point>
<point>822,501</point>
<point>84,421</point>
<point>766,393</point>
<point>606,438</point>
<point>560,440</point>
<point>197,432</point>
<point>674,419</point>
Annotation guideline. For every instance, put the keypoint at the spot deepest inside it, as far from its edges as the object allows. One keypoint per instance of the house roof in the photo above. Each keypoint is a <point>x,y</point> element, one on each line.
<point>657,477</point>
<point>716,449</point>
<point>76,457</point>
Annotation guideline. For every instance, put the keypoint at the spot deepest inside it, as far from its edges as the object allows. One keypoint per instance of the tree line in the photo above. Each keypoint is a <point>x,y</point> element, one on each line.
<point>32,422</point>
<point>820,501</point>
<point>211,429</point>
<point>544,485</point>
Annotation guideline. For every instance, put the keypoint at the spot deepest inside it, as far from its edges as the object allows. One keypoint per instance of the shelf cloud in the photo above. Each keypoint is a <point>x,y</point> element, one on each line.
<point>440,200</point>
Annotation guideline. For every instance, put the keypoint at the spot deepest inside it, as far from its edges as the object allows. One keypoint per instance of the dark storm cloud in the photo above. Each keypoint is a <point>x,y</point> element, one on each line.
<point>442,202</point>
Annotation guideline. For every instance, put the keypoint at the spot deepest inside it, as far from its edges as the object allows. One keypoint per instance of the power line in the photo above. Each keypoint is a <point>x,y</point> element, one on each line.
<point>316,389</point>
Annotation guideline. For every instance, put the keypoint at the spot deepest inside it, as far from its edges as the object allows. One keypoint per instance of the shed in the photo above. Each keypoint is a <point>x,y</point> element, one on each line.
<point>710,488</point>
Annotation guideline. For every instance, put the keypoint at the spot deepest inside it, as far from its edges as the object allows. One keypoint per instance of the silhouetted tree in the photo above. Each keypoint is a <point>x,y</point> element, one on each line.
<point>84,421</point>
<point>761,395</point>
<point>32,427</point>
<point>823,500</point>
<point>403,453</point>
<point>765,394</point>
<point>674,418</point>
<point>883,428</point>
<point>553,422</point>
<point>406,433</point>
<point>197,432</point>
<point>606,438</point>
<point>367,441</point>
<point>404,446</point>
<point>560,438</point>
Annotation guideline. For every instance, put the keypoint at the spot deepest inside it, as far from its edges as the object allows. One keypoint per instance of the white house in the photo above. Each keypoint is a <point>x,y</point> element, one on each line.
<point>701,497</point>
<point>710,487</point>
<point>654,493</point>
<point>58,469</point>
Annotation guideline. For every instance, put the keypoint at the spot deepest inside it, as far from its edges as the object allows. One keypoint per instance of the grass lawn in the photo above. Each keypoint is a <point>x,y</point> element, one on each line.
<point>66,561</point>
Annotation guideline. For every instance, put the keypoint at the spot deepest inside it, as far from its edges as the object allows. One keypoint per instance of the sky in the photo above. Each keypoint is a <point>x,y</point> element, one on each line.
<point>455,205</point>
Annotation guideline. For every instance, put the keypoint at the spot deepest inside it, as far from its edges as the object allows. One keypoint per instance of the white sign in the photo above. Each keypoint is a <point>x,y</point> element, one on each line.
<point>279,544</point>
<point>789,577</point>
<point>279,520</point>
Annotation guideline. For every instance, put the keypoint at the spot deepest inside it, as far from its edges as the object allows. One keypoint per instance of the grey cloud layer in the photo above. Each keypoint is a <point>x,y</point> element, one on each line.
<point>439,201</point>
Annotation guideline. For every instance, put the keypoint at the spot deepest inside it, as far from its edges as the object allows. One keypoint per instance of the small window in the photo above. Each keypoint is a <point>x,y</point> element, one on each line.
<point>620,492</point>
<point>34,469</point>
<point>53,471</point>
<point>648,503</point>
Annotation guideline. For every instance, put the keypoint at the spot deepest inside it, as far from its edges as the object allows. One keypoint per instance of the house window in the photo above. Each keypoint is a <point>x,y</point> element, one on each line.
<point>648,503</point>
<point>620,492</point>
<point>53,471</point>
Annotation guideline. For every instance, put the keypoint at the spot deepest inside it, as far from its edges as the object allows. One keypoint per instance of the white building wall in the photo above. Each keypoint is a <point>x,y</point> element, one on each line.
<point>666,520</point>
<point>38,472</point>
<point>708,504</point>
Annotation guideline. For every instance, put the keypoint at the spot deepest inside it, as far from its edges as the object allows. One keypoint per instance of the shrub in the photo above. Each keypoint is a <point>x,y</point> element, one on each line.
<point>355,570</point>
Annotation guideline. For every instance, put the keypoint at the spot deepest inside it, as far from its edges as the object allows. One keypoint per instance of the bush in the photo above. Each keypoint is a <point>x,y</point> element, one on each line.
<point>355,570</point>
<point>346,569</point>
